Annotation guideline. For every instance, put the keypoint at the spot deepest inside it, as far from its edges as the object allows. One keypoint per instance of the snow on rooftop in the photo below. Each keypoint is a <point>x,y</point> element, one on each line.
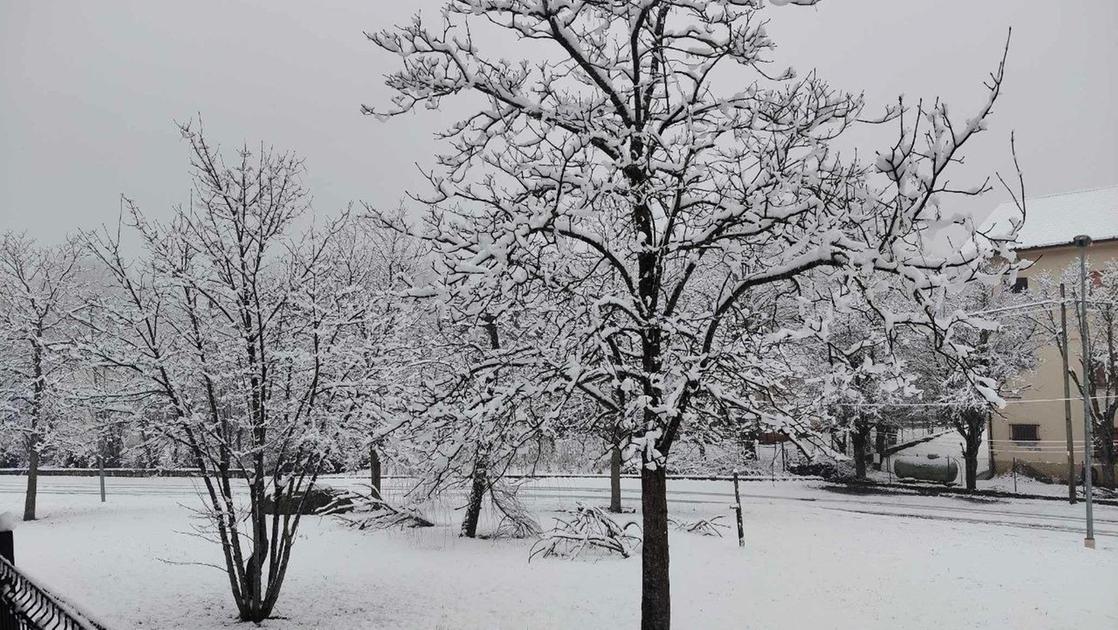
<point>1056,219</point>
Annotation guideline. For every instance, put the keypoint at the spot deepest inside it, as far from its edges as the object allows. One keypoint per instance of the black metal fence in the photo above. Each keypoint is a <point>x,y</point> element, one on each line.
<point>25,605</point>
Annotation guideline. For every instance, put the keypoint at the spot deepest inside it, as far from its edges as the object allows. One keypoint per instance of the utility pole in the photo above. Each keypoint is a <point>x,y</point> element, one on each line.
<point>1082,241</point>
<point>1064,351</point>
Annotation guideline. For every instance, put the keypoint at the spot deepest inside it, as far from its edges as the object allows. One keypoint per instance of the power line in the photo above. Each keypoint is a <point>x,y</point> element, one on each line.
<point>1060,442</point>
<point>944,404</point>
<point>1033,305</point>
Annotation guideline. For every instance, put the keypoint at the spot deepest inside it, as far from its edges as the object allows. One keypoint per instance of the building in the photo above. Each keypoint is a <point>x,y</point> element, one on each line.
<point>1032,429</point>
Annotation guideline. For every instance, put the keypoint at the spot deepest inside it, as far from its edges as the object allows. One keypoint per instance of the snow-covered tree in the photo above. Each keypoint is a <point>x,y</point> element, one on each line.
<point>865,376</point>
<point>486,398</point>
<point>39,287</point>
<point>649,140</point>
<point>380,346</point>
<point>1003,349</point>
<point>227,328</point>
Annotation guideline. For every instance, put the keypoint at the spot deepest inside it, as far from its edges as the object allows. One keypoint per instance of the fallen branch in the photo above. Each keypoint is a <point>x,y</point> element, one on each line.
<point>372,512</point>
<point>704,527</point>
<point>590,528</point>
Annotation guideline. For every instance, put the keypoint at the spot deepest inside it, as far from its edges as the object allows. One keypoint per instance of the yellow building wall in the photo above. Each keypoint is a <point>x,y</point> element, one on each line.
<point>1041,389</point>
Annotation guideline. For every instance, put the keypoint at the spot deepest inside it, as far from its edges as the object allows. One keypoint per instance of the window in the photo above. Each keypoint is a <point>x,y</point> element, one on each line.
<point>1019,285</point>
<point>1024,432</point>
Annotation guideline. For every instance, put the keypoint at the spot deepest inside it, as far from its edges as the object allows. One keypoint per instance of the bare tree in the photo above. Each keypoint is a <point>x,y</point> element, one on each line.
<point>487,399</point>
<point>620,140</point>
<point>374,267</point>
<point>225,325</point>
<point>38,289</point>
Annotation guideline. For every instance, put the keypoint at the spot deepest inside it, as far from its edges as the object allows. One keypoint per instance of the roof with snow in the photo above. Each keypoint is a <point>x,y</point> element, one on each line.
<point>1057,219</point>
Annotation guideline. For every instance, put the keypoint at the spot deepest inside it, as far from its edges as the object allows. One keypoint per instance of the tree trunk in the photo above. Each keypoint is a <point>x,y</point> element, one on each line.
<point>473,506</point>
<point>970,464</point>
<point>374,471</point>
<point>33,439</point>
<point>656,610</point>
<point>259,538</point>
<point>971,428</point>
<point>859,440</point>
<point>480,475</point>
<point>615,479</point>
<point>1104,433</point>
<point>32,482</point>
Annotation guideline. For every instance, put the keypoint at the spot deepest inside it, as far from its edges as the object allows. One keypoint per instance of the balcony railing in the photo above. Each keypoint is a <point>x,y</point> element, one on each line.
<point>25,605</point>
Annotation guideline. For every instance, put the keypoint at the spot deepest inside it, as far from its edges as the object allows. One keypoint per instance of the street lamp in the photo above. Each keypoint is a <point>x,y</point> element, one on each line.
<point>1082,242</point>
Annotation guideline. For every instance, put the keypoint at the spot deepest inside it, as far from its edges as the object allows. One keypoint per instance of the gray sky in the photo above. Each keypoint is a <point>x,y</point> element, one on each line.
<point>90,92</point>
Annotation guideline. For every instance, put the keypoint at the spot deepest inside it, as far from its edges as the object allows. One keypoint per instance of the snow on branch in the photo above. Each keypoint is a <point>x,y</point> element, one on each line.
<point>667,218</point>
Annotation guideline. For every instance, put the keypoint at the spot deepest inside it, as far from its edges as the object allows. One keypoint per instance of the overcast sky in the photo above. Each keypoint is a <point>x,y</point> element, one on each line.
<point>91,90</point>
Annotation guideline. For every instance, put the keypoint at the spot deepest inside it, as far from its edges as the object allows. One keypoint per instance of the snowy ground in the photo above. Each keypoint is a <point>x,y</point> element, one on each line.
<point>816,558</point>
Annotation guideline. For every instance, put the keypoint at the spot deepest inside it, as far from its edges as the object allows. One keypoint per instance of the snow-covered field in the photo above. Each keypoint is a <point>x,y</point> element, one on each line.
<point>816,558</point>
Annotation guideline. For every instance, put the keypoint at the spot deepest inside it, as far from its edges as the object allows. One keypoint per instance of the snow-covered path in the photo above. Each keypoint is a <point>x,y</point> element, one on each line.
<point>815,559</point>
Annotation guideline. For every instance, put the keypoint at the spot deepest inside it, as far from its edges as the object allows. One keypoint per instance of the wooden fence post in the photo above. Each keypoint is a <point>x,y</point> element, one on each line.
<point>101,475</point>
<point>737,510</point>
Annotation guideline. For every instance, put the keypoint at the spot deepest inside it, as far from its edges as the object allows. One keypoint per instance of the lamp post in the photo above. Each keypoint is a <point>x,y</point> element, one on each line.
<point>1081,242</point>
